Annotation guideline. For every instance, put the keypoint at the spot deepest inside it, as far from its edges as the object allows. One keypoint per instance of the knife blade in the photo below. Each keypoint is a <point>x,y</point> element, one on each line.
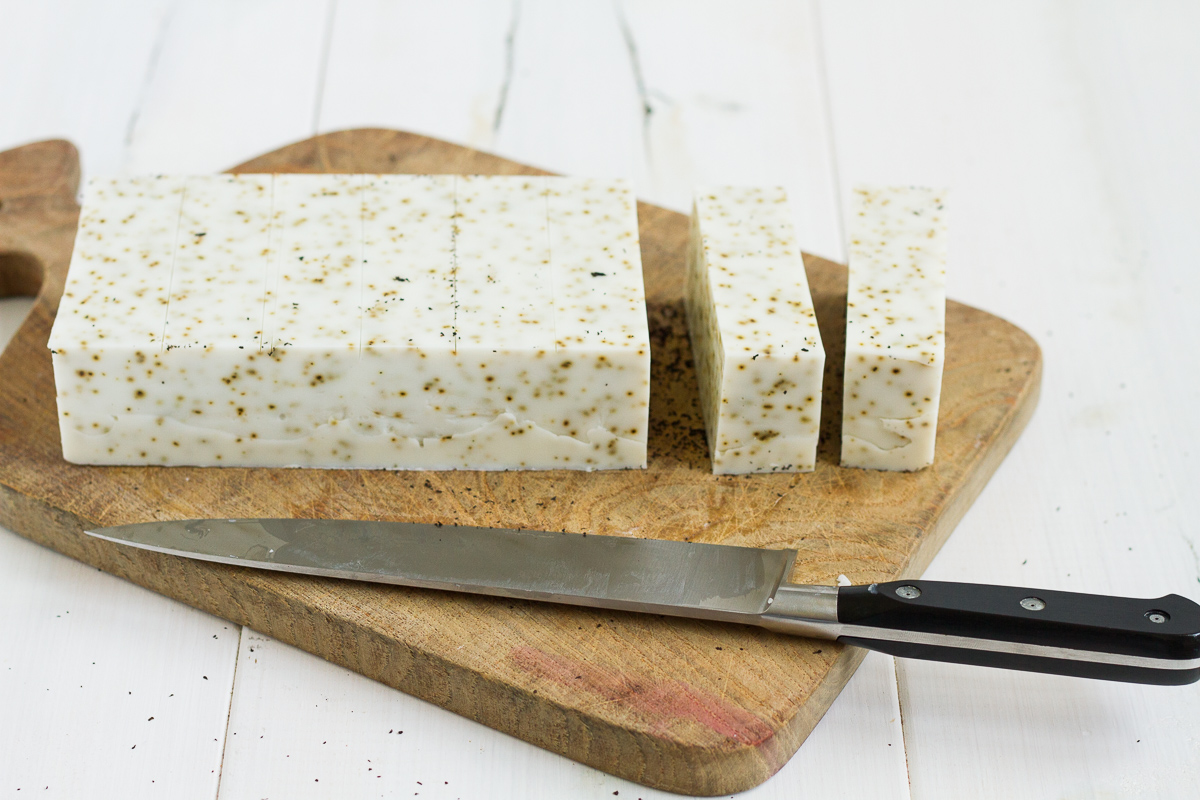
<point>1153,641</point>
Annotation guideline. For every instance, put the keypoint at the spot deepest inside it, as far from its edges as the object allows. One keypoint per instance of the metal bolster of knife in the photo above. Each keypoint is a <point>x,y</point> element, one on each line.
<point>803,611</point>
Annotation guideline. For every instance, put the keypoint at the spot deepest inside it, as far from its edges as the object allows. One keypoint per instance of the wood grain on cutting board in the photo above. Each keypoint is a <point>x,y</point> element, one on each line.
<point>694,707</point>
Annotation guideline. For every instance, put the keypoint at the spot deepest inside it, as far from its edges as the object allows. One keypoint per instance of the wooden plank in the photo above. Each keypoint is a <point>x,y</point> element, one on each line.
<point>104,685</point>
<point>196,118</point>
<point>390,67</point>
<point>743,105</point>
<point>770,92</point>
<point>857,750</point>
<point>77,69</point>
<point>572,99</point>
<point>659,701</point>
<point>1069,174</point>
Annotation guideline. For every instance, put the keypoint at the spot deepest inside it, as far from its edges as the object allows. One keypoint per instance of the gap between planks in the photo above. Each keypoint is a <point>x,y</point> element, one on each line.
<point>237,654</point>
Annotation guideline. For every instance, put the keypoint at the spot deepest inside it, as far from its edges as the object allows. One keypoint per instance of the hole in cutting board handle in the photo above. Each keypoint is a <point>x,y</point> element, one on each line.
<point>20,280</point>
<point>20,274</point>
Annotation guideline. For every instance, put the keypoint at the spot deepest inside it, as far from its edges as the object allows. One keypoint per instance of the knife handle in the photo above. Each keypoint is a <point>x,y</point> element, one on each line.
<point>1063,633</point>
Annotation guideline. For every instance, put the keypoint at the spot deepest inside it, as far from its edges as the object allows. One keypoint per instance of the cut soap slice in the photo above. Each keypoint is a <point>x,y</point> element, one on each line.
<point>380,321</point>
<point>895,327</point>
<point>758,351</point>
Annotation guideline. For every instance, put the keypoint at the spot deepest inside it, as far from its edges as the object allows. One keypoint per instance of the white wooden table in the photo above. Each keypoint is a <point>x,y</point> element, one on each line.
<point>1068,132</point>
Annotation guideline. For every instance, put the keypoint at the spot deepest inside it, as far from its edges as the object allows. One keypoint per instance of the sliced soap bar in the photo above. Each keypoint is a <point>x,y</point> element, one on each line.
<point>377,321</point>
<point>758,351</point>
<point>895,327</point>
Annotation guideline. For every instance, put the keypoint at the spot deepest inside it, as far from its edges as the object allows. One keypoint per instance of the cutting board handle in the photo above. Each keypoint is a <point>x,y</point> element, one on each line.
<point>38,217</point>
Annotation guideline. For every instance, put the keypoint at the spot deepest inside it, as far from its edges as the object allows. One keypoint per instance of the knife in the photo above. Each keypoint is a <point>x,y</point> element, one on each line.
<point>1065,633</point>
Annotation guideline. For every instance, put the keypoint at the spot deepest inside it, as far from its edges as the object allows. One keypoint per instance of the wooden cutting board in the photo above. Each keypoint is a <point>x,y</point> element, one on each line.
<point>694,707</point>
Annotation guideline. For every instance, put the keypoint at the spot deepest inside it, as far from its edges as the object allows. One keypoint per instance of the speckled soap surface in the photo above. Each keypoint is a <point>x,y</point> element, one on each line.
<point>758,351</point>
<point>895,327</point>
<point>358,321</point>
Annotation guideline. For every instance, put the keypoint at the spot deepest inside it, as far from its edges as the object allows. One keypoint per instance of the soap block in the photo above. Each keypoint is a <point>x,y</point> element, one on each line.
<point>895,327</point>
<point>377,321</point>
<point>758,351</point>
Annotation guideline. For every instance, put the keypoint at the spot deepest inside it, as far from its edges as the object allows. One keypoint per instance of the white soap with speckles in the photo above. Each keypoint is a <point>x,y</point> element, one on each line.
<point>895,327</point>
<point>355,321</point>
<point>758,351</point>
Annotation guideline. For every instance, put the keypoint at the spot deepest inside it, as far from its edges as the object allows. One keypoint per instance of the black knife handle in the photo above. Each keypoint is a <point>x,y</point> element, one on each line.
<point>1036,630</point>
